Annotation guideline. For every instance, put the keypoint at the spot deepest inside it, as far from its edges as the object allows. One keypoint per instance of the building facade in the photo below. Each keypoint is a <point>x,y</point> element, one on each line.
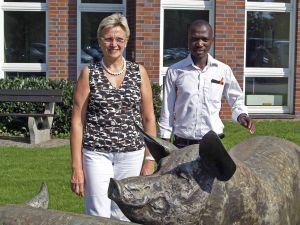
<point>258,39</point>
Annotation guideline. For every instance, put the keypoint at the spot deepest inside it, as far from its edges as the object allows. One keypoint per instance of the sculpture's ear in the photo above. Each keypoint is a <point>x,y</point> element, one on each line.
<point>157,147</point>
<point>212,151</point>
<point>41,200</point>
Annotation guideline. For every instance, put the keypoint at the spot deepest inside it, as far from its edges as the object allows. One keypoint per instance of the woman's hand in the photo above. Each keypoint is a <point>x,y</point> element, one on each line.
<point>77,182</point>
<point>77,124</point>
<point>148,118</point>
<point>148,168</point>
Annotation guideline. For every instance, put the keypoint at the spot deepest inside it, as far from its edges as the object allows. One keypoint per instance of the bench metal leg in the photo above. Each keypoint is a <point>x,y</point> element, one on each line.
<point>39,127</point>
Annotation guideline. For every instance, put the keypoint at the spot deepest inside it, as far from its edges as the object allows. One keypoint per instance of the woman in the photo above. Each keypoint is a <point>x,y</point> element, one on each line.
<point>110,97</point>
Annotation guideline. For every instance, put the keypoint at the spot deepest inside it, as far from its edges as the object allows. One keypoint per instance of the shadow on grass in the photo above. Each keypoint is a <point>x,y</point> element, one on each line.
<point>18,139</point>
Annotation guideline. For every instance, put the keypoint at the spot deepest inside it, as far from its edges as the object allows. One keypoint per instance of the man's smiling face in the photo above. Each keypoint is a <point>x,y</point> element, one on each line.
<point>200,40</point>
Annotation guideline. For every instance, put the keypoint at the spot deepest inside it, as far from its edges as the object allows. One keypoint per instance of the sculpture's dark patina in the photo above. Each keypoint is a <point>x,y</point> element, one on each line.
<point>35,212</point>
<point>265,188</point>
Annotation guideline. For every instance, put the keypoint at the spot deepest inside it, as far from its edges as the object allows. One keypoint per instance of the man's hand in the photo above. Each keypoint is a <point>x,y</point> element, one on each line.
<point>148,167</point>
<point>247,122</point>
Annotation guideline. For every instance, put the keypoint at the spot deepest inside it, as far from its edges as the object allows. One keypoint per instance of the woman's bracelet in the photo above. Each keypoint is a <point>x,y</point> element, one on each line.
<point>149,157</point>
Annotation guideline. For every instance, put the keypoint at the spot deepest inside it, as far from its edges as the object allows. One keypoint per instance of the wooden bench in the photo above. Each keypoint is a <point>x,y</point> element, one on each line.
<point>39,124</point>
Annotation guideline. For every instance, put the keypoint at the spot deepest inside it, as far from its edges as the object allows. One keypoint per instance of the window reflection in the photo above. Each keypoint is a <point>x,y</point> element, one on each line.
<point>268,39</point>
<point>24,37</point>
<point>90,50</point>
<point>24,74</point>
<point>103,1</point>
<point>176,23</point>
<point>284,1</point>
<point>266,91</point>
<point>41,1</point>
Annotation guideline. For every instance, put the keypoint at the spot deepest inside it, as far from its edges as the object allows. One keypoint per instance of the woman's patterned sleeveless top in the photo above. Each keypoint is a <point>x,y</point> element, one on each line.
<point>111,112</point>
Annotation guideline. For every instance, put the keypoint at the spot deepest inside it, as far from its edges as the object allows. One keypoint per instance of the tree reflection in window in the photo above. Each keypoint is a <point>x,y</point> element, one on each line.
<point>268,39</point>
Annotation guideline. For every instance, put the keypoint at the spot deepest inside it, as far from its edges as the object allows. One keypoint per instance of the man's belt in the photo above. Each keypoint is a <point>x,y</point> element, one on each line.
<point>185,141</point>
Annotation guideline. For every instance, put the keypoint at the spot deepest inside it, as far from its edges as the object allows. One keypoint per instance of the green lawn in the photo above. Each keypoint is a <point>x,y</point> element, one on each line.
<point>288,129</point>
<point>23,170</point>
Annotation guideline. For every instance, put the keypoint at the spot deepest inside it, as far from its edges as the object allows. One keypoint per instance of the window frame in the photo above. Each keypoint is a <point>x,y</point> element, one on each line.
<point>181,5</point>
<point>93,7</point>
<point>22,67</point>
<point>273,72</point>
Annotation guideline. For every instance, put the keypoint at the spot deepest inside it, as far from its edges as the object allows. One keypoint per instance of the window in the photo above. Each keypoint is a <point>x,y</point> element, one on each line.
<point>286,1</point>
<point>24,74</point>
<point>24,37</point>
<point>41,1</point>
<point>175,19</point>
<point>268,39</point>
<point>23,48</point>
<point>265,91</point>
<point>177,22</point>
<point>103,1</point>
<point>90,13</point>
<point>269,56</point>
<point>90,50</point>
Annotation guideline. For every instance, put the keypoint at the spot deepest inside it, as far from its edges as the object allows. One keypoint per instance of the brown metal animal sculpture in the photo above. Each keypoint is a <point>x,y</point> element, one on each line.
<point>261,186</point>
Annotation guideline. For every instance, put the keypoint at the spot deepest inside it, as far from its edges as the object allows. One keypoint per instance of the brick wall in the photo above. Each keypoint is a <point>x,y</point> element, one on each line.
<point>62,39</point>
<point>229,39</point>
<point>147,36</point>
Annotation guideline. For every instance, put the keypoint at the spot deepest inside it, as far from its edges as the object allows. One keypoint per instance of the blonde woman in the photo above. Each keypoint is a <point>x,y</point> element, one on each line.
<point>110,96</point>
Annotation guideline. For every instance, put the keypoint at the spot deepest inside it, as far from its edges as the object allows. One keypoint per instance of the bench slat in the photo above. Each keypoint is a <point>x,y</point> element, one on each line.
<point>27,98</point>
<point>26,114</point>
<point>8,95</point>
<point>17,92</point>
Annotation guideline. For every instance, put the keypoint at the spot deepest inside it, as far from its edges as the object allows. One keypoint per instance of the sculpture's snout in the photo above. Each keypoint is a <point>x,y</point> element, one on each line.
<point>126,194</point>
<point>114,190</point>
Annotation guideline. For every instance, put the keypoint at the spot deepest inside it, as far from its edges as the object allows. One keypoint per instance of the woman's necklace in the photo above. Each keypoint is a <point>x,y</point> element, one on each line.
<point>114,73</point>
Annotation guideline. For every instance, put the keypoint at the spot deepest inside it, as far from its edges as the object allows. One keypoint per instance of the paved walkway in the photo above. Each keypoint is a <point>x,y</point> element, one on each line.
<point>25,143</point>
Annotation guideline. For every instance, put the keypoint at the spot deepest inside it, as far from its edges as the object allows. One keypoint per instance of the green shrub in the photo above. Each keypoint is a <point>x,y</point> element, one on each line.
<point>156,89</point>
<point>18,125</point>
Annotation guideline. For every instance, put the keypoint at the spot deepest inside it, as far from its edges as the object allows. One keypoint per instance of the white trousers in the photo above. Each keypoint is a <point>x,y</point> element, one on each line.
<point>98,168</point>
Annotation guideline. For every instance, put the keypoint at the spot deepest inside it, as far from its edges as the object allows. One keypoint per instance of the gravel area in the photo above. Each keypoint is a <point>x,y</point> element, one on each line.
<point>24,142</point>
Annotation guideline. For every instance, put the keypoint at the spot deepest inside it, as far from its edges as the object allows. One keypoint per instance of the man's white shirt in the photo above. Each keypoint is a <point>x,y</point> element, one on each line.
<point>192,98</point>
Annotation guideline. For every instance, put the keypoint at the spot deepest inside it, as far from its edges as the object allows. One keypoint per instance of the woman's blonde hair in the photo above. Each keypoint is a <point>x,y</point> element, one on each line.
<point>114,20</point>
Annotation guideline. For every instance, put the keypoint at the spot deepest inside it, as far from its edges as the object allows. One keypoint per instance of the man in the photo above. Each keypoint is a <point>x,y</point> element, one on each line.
<point>193,92</point>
